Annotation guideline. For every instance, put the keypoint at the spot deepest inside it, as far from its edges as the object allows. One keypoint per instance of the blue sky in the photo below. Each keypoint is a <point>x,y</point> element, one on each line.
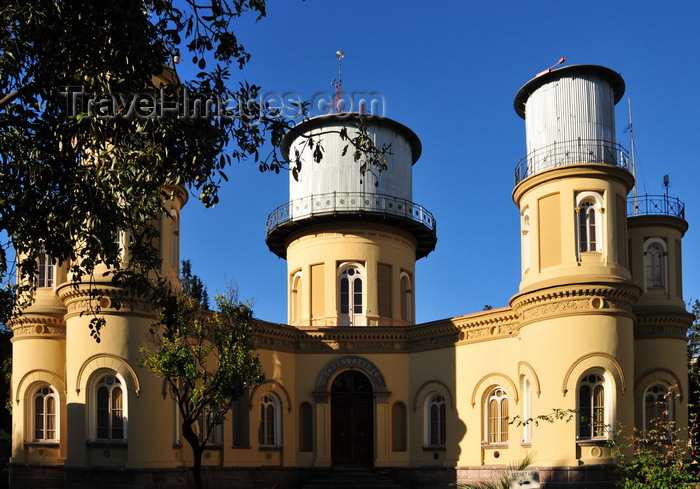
<point>450,71</point>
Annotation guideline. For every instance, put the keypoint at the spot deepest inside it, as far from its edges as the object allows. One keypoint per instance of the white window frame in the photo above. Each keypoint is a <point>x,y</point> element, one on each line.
<point>94,386</point>
<point>216,437</point>
<point>32,414</point>
<point>585,203</point>
<point>501,434</point>
<point>270,400</point>
<point>47,270</point>
<point>606,421</point>
<point>660,245</point>
<point>351,317</point>
<point>432,438</point>
<point>662,391</point>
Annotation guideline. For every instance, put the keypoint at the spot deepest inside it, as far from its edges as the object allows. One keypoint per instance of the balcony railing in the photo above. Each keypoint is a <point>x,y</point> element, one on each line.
<point>571,153</point>
<point>347,202</point>
<point>647,205</point>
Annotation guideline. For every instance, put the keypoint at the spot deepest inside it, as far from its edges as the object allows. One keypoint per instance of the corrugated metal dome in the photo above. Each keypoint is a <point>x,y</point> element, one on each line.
<point>569,117</point>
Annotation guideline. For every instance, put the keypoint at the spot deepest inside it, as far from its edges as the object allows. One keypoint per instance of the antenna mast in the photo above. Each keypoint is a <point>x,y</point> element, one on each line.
<point>336,105</point>
<point>632,162</point>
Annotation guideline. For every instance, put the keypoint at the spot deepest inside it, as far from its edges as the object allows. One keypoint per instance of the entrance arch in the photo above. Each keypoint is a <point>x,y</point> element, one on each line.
<point>352,419</point>
<point>352,381</point>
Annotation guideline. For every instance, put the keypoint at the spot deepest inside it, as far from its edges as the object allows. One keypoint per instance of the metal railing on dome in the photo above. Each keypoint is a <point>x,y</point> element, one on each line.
<point>662,205</point>
<point>571,153</point>
<point>345,202</point>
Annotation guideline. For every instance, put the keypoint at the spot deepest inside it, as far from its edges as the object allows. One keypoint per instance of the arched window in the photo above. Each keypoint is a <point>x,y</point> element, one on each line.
<point>592,408</point>
<point>46,270</point>
<point>655,263</point>
<point>658,411</point>
<point>45,413</point>
<point>205,427</point>
<point>525,229</point>
<point>435,421</point>
<point>110,405</point>
<point>589,221</point>
<point>406,297</point>
<point>118,238</point>
<point>270,433</point>
<point>496,414</point>
<point>295,301</point>
<point>351,294</point>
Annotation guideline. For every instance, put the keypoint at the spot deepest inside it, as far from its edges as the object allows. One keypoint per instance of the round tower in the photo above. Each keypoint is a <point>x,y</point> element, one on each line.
<point>576,293</point>
<point>38,360</point>
<point>351,236</point>
<point>572,186</point>
<point>656,225</point>
<point>103,373</point>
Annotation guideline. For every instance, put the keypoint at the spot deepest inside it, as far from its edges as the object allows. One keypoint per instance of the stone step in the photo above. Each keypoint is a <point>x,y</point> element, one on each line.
<point>341,478</point>
<point>349,483</point>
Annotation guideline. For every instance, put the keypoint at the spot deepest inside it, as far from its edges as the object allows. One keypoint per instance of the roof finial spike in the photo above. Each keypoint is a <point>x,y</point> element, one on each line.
<point>336,105</point>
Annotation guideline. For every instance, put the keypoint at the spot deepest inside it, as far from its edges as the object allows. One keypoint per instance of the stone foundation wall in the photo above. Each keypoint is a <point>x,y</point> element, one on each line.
<point>31,477</point>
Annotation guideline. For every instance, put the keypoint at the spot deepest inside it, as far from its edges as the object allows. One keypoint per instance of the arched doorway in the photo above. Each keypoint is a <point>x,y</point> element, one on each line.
<point>352,419</point>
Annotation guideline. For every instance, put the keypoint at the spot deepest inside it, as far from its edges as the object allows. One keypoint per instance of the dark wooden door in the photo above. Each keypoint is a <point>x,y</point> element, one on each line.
<point>352,419</point>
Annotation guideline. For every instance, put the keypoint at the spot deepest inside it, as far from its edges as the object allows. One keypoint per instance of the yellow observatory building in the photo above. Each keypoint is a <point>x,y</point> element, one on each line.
<point>355,388</point>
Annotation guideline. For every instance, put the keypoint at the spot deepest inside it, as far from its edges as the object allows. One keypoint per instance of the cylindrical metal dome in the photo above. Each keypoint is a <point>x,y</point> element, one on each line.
<point>570,117</point>
<point>339,172</point>
<point>335,189</point>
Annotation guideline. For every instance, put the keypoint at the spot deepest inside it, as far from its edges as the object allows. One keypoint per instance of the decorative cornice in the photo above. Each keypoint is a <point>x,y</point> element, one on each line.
<point>482,326</point>
<point>35,326</point>
<point>374,373</point>
<point>575,300</point>
<point>109,300</point>
<point>475,328</point>
<point>662,324</point>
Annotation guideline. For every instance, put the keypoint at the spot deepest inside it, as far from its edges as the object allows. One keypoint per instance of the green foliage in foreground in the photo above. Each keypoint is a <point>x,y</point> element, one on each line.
<point>207,358</point>
<point>503,479</point>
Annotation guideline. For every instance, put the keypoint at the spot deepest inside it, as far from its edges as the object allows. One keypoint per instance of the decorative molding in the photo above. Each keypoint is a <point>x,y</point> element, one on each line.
<point>442,388</point>
<point>662,324</point>
<point>598,359</point>
<point>531,375</point>
<point>83,298</point>
<point>497,378</point>
<point>35,326</point>
<point>350,362</point>
<point>40,375</point>
<point>575,300</point>
<point>270,386</point>
<point>112,362</point>
<point>649,377</point>
<point>482,326</point>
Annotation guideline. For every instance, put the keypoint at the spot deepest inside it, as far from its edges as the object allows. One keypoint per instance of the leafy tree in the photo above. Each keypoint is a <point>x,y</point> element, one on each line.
<point>193,286</point>
<point>655,458</point>
<point>89,145</point>
<point>82,156</point>
<point>503,480</point>
<point>208,359</point>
